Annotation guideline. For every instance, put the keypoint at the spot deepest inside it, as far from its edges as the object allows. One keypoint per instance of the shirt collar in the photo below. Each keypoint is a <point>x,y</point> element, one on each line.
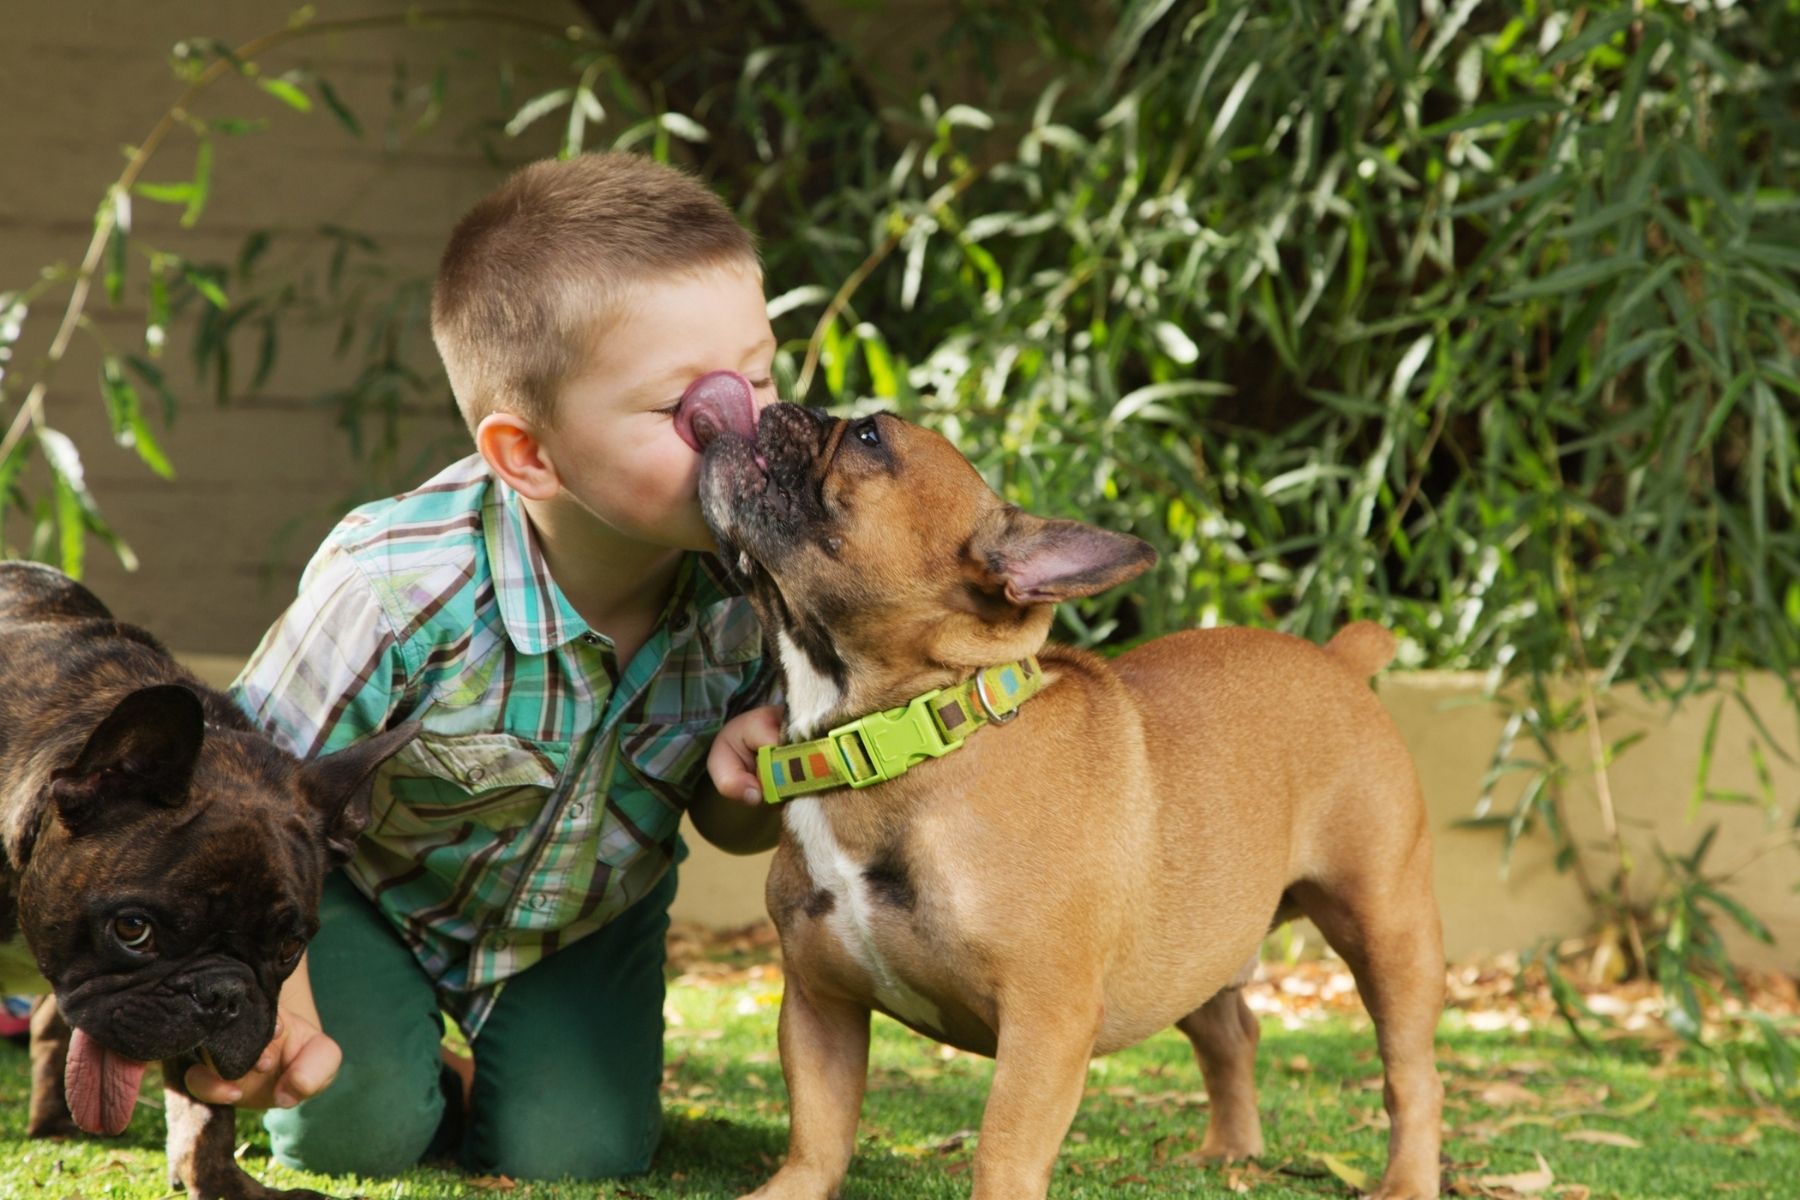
<point>537,616</point>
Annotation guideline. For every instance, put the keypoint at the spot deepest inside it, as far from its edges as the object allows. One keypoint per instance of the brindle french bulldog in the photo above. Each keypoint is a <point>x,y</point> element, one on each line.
<point>163,861</point>
<point>1094,865</point>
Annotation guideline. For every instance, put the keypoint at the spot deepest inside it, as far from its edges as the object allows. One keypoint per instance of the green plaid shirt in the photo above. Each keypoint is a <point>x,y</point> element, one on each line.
<point>543,796</point>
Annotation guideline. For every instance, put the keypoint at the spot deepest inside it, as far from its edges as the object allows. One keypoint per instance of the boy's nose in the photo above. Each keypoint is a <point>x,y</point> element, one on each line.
<point>715,403</point>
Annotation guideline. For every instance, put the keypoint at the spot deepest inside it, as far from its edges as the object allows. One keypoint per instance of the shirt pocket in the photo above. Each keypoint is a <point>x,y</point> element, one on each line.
<point>667,758</point>
<point>494,781</point>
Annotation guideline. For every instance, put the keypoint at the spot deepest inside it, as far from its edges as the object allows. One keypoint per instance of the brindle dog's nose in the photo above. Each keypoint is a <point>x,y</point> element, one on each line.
<point>218,995</point>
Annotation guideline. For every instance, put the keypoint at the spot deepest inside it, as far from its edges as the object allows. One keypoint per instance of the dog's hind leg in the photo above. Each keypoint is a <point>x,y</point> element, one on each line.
<point>1384,922</point>
<point>1224,1033</point>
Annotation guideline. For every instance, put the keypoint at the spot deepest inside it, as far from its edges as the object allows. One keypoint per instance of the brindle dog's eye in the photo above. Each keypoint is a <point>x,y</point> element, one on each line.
<point>133,932</point>
<point>290,950</point>
<point>868,434</point>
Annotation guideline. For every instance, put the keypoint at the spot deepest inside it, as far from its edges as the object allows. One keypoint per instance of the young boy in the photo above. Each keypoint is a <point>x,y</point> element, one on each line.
<point>549,610</point>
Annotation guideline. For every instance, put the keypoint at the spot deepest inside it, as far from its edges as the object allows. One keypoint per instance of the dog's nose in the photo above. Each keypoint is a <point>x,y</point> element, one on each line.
<point>218,995</point>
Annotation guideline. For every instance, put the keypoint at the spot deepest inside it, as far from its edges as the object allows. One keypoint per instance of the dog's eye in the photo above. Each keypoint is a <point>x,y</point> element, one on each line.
<point>133,932</point>
<point>867,433</point>
<point>290,950</point>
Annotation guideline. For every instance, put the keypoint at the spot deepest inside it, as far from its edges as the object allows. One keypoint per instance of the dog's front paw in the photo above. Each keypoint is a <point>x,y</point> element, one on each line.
<point>793,1184</point>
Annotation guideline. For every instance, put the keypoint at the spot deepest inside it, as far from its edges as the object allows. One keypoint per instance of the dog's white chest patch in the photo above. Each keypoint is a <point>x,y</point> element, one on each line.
<point>811,696</point>
<point>849,919</point>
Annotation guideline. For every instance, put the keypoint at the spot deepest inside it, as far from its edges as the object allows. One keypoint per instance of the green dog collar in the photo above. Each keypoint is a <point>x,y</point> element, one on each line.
<point>883,745</point>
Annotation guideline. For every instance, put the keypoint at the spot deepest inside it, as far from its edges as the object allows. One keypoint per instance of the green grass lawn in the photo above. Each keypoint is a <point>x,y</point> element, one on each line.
<point>1512,1096</point>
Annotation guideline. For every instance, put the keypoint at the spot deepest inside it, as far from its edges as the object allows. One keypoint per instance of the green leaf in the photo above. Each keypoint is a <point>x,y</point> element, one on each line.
<point>338,108</point>
<point>1493,114</point>
<point>126,414</point>
<point>206,285</point>
<point>538,107</point>
<point>202,185</point>
<point>1571,279</point>
<point>288,93</point>
<point>166,193</point>
<point>115,266</point>
<point>684,127</point>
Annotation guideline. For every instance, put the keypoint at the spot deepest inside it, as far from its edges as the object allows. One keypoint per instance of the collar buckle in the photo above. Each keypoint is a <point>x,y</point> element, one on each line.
<point>893,741</point>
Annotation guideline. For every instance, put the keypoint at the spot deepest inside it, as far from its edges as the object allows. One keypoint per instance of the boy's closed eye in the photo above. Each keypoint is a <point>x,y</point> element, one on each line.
<point>668,410</point>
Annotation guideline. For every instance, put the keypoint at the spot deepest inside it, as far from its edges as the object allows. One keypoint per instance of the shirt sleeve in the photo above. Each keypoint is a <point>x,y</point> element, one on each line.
<point>331,670</point>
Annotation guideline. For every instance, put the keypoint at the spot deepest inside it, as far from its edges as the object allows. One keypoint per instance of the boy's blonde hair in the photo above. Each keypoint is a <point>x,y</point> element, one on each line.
<point>535,273</point>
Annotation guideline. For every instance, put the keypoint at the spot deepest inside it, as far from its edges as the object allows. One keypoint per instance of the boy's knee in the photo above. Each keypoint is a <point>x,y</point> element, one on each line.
<point>568,1143</point>
<point>377,1118</point>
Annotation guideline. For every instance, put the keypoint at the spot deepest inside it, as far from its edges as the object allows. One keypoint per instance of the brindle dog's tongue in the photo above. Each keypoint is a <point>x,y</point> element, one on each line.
<point>102,1086</point>
<point>717,402</point>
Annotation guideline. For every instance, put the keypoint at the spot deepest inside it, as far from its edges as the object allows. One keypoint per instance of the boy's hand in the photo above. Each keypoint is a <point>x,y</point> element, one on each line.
<point>299,1062</point>
<point>732,760</point>
<point>730,814</point>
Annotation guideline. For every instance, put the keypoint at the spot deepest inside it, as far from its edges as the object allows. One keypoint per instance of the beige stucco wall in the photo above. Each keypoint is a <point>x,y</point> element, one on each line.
<point>260,483</point>
<point>1452,732</point>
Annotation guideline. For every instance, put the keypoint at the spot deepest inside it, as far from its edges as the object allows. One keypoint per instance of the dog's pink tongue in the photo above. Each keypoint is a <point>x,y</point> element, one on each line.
<point>718,401</point>
<point>102,1086</point>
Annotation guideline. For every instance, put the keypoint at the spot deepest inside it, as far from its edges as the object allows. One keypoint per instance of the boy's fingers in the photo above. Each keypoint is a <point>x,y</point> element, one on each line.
<point>310,1073</point>
<point>204,1084</point>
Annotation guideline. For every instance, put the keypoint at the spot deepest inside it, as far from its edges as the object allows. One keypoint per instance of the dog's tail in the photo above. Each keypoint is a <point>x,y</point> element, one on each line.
<point>1363,646</point>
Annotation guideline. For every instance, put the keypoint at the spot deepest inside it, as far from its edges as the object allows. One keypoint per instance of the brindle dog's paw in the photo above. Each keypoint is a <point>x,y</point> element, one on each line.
<point>51,1125</point>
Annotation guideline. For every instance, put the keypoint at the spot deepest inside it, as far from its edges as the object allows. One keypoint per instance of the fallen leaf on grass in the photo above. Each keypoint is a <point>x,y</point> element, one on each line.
<point>1355,1177</point>
<point>493,1183</point>
<point>1504,1093</point>
<point>1241,1177</point>
<point>1603,1137</point>
<point>1526,1183</point>
<point>1487,1131</point>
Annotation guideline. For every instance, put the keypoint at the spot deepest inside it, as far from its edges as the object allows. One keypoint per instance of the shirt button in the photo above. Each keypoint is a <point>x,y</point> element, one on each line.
<point>478,774</point>
<point>577,809</point>
<point>540,902</point>
<point>501,942</point>
<point>591,638</point>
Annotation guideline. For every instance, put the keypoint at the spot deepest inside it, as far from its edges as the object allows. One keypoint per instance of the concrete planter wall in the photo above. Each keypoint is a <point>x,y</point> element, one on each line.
<point>1452,730</point>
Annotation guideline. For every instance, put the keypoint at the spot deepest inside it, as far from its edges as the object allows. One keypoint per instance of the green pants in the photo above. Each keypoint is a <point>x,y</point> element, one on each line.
<point>568,1064</point>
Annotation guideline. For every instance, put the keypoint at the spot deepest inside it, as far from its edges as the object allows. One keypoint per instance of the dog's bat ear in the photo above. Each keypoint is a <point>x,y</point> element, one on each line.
<point>144,750</point>
<point>337,786</point>
<point>1037,560</point>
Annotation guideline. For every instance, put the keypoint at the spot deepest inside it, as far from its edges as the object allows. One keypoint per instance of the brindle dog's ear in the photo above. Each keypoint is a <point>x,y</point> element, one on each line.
<point>1041,561</point>
<point>144,751</point>
<point>337,786</point>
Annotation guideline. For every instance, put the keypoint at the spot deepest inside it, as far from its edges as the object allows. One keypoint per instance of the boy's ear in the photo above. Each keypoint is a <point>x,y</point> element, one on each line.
<point>511,446</point>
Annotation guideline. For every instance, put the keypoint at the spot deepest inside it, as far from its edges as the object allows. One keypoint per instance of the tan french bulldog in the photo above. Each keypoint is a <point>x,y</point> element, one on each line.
<point>1086,866</point>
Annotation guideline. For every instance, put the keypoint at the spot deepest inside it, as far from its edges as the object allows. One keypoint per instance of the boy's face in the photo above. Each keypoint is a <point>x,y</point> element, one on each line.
<point>614,441</point>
